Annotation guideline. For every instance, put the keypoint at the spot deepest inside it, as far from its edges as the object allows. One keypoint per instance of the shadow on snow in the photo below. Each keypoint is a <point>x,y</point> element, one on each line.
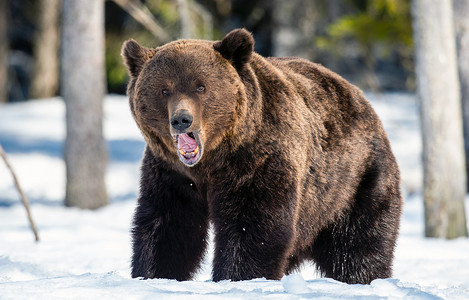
<point>126,150</point>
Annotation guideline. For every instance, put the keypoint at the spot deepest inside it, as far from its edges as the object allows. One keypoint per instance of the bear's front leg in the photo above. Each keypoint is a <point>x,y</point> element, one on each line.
<point>170,224</point>
<point>254,228</point>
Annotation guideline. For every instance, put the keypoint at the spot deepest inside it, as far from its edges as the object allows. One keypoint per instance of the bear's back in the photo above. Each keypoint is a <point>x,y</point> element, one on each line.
<point>340,105</point>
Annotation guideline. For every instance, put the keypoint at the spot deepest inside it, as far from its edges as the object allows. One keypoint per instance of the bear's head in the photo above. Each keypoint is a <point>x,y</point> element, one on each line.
<point>187,95</point>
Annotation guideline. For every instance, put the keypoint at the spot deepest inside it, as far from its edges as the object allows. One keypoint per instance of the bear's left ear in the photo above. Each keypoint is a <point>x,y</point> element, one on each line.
<point>135,56</point>
<point>237,47</point>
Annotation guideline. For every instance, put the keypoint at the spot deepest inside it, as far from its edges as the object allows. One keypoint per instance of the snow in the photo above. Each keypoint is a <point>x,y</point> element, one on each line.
<point>86,254</point>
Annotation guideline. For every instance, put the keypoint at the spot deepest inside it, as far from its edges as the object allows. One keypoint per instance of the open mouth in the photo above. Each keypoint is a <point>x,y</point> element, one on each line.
<point>189,148</point>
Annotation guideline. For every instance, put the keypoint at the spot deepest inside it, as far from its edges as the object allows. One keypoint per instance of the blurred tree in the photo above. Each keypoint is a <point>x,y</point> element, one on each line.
<point>294,28</point>
<point>45,78</point>
<point>440,109</point>
<point>461,20</point>
<point>206,24</point>
<point>142,15</point>
<point>3,52</point>
<point>187,25</point>
<point>83,88</point>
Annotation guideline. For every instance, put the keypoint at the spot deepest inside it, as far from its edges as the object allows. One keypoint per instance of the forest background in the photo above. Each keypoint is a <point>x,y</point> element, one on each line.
<point>367,42</point>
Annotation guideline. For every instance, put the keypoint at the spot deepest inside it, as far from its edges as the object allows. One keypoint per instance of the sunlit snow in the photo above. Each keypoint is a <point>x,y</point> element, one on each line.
<point>86,254</point>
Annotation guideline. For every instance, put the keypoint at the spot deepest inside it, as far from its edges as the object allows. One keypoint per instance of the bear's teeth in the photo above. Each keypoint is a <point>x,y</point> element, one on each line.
<point>190,154</point>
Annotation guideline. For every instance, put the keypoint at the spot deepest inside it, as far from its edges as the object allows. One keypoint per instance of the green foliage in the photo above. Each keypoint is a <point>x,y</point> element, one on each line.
<point>115,71</point>
<point>165,11</point>
<point>377,22</point>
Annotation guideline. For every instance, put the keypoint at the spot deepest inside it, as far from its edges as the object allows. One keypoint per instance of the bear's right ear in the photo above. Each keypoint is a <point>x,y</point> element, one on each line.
<point>135,56</point>
<point>237,47</point>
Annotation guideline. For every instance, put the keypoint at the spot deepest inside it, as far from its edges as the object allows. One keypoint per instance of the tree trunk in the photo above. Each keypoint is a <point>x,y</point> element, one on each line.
<point>3,52</point>
<point>461,20</point>
<point>441,117</point>
<point>83,88</point>
<point>45,81</point>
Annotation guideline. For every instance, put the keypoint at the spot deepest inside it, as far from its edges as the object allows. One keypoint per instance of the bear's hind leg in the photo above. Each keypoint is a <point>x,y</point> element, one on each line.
<point>359,247</point>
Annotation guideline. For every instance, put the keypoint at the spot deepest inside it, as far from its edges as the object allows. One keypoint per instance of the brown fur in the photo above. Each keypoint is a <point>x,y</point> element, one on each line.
<point>295,165</point>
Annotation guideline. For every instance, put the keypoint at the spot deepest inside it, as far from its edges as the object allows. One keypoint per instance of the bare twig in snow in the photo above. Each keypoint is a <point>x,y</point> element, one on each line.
<point>23,196</point>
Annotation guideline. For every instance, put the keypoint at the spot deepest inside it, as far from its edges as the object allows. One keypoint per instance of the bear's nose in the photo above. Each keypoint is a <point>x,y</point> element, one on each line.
<point>181,120</point>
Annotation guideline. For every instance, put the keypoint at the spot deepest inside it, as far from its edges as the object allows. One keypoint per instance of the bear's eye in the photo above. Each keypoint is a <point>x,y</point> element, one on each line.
<point>165,92</point>
<point>200,89</point>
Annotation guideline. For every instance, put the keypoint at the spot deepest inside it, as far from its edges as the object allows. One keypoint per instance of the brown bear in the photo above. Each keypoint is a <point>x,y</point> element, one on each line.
<point>286,159</point>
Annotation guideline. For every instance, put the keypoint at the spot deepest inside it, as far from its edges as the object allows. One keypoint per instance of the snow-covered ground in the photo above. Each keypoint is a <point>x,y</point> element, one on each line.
<point>85,254</point>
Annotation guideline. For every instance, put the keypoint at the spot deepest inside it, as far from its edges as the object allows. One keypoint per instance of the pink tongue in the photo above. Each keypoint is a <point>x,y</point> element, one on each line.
<point>186,143</point>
